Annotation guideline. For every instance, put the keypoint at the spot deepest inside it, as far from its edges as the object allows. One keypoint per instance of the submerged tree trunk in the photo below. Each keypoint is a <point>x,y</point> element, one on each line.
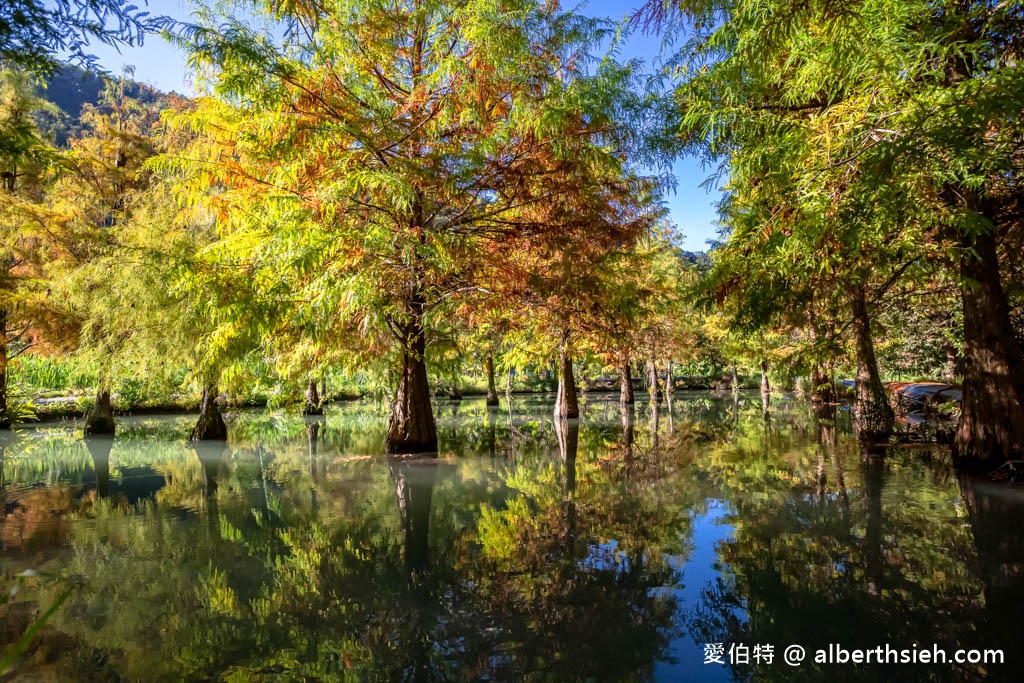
<point>99,448</point>
<point>210,425</point>
<point>568,446</point>
<point>655,419</point>
<point>492,387</point>
<point>626,413</point>
<point>312,440</point>
<point>211,458</point>
<point>997,524</point>
<point>414,488</point>
<point>491,435</point>
<point>100,418</point>
<point>313,405</point>
<point>412,428</point>
<point>874,480</point>
<point>872,414</point>
<point>566,404</point>
<point>625,381</point>
<point>991,429</point>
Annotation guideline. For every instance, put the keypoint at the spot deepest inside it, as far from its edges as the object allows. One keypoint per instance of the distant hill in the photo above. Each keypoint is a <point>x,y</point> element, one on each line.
<point>71,88</point>
<point>699,259</point>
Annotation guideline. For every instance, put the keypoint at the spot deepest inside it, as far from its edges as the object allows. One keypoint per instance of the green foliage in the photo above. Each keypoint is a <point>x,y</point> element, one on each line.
<point>54,373</point>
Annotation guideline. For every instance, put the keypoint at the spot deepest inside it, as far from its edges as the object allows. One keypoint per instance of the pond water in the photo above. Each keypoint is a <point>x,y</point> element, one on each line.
<point>618,549</point>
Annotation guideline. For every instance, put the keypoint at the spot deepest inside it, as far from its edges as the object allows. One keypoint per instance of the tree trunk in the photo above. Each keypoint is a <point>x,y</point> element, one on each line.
<point>492,388</point>
<point>822,390</point>
<point>566,405</point>
<point>670,382</point>
<point>5,418</point>
<point>991,429</point>
<point>655,419</point>
<point>210,425</point>
<point>312,406</point>
<point>6,261</point>
<point>625,381</point>
<point>508,387</point>
<point>765,386</point>
<point>100,419</point>
<point>412,428</point>
<point>735,377</point>
<point>872,414</point>
<point>952,368</point>
<point>652,379</point>
<point>822,387</point>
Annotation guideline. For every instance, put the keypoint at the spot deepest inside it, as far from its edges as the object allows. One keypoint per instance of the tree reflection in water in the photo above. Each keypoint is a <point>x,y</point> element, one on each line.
<point>300,552</point>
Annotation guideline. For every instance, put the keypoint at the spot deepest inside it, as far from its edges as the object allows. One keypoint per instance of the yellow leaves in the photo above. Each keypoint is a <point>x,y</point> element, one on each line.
<point>216,594</point>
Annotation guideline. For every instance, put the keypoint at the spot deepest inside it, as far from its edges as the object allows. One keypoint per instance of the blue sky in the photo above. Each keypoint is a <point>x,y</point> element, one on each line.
<point>692,208</point>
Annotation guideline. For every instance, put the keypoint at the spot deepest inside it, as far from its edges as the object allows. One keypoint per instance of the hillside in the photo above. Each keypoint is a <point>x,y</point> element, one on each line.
<point>71,88</point>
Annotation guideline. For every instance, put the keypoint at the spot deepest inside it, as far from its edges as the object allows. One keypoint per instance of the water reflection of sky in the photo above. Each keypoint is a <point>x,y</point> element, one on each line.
<point>700,571</point>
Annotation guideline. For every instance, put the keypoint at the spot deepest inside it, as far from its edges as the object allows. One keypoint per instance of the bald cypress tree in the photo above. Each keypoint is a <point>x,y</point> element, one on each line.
<point>381,149</point>
<point>860,142</point>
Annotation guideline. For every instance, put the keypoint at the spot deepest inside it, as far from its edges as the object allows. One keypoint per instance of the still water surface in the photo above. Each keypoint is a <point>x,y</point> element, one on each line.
<point>615,550</point>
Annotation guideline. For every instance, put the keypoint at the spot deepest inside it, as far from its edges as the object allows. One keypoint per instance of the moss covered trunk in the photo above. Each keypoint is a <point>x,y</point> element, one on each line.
<point>210,425</point>
<point>991,429</point>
